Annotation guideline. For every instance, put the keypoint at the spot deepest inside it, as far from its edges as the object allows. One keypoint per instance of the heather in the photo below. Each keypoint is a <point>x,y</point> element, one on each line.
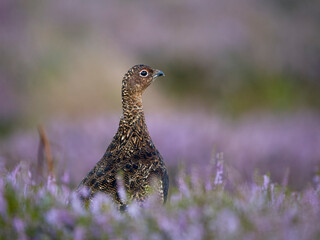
<point>213,195</point>
<point>236,118</point>
<point>234,56</point>
<point>198,208</point>
<point>285,145</point>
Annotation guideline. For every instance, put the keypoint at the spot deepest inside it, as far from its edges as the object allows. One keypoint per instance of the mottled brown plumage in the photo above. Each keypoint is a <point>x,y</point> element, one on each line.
<point>131,153</point>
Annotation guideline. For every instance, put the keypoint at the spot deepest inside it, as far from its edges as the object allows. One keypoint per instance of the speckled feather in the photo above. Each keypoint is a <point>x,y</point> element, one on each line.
<point>131,153</point>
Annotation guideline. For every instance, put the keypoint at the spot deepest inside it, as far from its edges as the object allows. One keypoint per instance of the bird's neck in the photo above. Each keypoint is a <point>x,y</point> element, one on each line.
<point>132,107</point>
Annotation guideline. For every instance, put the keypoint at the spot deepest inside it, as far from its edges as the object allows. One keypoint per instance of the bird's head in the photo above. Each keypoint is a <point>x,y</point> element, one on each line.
<point>138,78</point>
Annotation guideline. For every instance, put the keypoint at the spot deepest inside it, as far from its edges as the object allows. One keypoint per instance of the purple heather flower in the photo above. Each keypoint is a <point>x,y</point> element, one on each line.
<point>19,225</point>
<point>83,192</point>
<point>196,179</point>
<point>170,226</point>
<point>195,231</point>
<point>65,177</point>
<point>316,182</point>
<point>174,198</point>
<point>279,201</point>
<point>76,204</point>
<point>266,182</point>
<point>134,210</point>
<point>79,233</point>
<point>52,186</point>
<point>60,218</point>
<point>3,202</point>
<point>311,198</point>
<point>183,187</point>
<point>100,202</point>
<point>121,190</point>
<point>219,172</point>
<point>12,176</point>
<point>272,193</point>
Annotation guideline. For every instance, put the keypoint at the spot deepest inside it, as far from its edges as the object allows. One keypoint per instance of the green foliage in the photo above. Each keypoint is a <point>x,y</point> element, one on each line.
<point>238,88</point>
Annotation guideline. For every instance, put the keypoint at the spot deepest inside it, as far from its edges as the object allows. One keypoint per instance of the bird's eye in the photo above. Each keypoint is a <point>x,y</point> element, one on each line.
<point>143,73</point>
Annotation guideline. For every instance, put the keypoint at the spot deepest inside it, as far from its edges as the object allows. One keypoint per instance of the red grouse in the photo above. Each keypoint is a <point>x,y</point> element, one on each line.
<point>131,154</point>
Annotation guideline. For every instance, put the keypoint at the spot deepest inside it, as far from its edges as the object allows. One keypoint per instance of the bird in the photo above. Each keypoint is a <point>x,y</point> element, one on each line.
<point>131,153</point>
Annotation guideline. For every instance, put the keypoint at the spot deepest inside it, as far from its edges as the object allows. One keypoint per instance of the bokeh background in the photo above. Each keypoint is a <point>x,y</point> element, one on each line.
<point>242,78</point>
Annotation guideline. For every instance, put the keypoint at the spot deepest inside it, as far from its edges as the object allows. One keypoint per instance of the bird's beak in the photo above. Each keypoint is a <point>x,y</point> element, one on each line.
<point>157,73</point>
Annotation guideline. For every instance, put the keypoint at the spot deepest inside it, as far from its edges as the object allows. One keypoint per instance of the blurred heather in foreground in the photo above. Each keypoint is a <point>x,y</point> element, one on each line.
<point>198,208</point>
<point>286,146</point>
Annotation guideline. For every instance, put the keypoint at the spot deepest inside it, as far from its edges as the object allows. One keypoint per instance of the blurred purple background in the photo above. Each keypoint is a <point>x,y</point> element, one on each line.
<point>242,77</point>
